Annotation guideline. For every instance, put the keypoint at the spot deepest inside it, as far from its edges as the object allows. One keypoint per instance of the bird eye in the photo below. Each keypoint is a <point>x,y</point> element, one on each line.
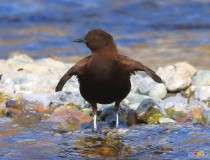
<point>96,37</point>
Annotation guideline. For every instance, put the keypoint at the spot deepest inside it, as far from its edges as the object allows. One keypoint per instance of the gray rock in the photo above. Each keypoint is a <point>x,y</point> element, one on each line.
<point>175,78</point>
<point>178,103</point>
<point>64,98</point>
<point>145,85</point>
<point>135,98</point>
<point>206,116</point>
<point>148,86</point>
<point>201,78</point>
<point>202,93</point>
<point>147,104</point>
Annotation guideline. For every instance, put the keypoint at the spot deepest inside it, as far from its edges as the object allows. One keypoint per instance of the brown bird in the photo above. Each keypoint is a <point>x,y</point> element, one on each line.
<point>104,76</point>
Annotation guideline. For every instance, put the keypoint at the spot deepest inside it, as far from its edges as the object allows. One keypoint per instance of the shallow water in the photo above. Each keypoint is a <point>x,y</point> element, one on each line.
<point>155,32</point>
<point>39,141</point>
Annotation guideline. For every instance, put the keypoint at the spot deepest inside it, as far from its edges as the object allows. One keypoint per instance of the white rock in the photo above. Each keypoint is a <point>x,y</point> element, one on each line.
<point>159,91</point>
<point>4,67</point>
<point>175,78</point>
<point>186,66</point>
<point>202,93</point>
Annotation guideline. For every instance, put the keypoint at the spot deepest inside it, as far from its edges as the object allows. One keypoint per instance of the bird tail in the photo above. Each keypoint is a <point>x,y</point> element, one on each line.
<point>153,75</point>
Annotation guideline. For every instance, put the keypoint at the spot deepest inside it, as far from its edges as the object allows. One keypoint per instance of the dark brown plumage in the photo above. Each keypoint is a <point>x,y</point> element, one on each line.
<point>104,76</point>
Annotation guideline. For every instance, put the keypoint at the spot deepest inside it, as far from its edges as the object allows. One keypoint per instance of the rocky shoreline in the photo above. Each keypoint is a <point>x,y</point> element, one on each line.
<point>27,95</point>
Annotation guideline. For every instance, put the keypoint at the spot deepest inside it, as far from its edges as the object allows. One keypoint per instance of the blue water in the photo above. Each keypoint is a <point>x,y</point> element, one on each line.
<point>43,28</point>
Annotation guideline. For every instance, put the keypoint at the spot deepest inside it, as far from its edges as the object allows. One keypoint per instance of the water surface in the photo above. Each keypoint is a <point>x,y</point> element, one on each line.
<point>155,32</point>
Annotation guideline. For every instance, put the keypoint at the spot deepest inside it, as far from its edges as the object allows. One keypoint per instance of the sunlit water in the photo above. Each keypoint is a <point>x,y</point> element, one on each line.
<point>155,32</point>
<point>38,141</point>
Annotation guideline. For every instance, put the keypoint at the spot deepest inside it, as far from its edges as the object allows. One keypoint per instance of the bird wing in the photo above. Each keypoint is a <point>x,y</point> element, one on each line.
<point>75,70</point>
<point>132,66</point>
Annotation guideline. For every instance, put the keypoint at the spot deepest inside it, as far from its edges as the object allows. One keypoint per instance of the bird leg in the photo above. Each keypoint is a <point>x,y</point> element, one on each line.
<point>117,107</point>
<point>94,106</point>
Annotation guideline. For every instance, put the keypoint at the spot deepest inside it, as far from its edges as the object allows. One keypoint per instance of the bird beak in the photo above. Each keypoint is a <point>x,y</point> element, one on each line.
<point>81,40</point>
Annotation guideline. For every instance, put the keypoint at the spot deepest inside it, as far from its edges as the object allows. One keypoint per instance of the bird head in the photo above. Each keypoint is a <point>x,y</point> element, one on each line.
<point>97,39</point>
